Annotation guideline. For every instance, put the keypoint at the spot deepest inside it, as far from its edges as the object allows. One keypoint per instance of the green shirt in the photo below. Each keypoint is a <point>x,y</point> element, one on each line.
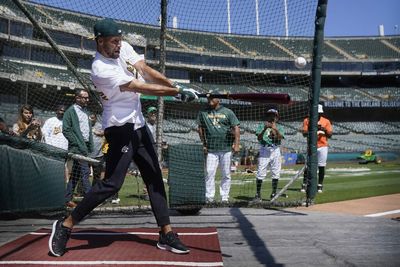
<point>217,125</point>
<point>72,132</point>
<point>267,141</point>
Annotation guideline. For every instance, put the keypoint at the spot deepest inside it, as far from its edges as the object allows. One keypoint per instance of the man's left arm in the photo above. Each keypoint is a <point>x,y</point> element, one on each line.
<point>235,124</point>
<point>158,84</point>
<point>151,75</point>
<point>278,132</point>
<point>328,129</point>
<point>325,126</point>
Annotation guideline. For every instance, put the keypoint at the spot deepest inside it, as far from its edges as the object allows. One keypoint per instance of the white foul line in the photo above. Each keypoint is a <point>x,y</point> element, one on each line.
<point>382,213</point>
<point>167,263</point>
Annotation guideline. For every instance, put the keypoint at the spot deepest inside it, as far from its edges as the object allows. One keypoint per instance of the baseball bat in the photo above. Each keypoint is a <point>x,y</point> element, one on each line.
<point>254,97</point>
<point>80,157</point>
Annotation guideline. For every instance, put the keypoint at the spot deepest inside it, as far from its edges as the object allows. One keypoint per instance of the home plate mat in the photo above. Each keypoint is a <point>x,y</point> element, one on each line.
<point>114,247</point>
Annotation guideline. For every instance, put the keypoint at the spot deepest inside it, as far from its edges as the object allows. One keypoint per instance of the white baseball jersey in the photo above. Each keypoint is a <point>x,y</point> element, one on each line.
<point>108,75</point>
<point>52,133</point>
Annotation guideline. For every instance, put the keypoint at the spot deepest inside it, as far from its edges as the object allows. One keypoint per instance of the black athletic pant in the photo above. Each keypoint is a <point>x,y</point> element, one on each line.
<point>126,144</point>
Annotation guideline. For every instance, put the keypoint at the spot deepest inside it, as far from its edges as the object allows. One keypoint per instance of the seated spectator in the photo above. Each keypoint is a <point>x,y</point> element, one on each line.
<point>53,135</point>
<point>4,128</point>
<point>52,130</point>
<point>27,126</point>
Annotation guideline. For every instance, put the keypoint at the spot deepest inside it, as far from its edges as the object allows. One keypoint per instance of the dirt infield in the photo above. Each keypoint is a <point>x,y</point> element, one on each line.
<point>386,206</point>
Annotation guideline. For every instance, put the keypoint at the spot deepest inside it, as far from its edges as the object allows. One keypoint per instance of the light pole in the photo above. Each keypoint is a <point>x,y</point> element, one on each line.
<point>286,19</point>
<point>257,21</point>
<point>228,10</point>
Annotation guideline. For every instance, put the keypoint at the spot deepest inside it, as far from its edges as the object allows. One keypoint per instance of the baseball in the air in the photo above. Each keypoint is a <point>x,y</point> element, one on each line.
<point>300,62</point>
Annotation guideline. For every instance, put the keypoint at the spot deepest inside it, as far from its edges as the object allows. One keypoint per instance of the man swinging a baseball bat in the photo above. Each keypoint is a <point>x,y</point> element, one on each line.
<point>125,132</point>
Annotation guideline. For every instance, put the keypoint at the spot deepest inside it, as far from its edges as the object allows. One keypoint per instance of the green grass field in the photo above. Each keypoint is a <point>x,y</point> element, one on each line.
<point>380,179</point>
<point>343,181</point>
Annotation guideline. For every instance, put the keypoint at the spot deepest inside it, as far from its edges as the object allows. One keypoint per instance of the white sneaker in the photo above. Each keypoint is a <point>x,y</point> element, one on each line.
<point>209,200</point>
<point>115,201</point>
<point>256,199</point>
<point>319,188</point>
<point>303,188</point>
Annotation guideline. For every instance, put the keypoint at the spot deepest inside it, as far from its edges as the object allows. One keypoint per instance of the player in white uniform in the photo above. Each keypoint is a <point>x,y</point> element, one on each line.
<point>219,131</point>
<point>128,139</point>
<point>269,135</point>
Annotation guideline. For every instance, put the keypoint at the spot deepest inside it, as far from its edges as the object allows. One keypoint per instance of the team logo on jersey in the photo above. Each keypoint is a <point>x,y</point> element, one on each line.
<point>57,130</point>
<point>268,132</point>
<point>216,118</point>
<point>125,149</point>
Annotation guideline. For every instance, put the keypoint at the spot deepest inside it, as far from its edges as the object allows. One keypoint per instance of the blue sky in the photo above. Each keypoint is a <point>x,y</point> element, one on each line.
<point>362,17</point>
<point>344,18</point>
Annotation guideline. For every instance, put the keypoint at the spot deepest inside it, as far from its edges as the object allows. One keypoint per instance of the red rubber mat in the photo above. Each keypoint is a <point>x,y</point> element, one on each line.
<point>114,247</point>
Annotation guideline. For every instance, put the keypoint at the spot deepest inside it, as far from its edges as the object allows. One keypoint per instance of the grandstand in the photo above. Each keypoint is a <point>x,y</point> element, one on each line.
<point>209,61</point>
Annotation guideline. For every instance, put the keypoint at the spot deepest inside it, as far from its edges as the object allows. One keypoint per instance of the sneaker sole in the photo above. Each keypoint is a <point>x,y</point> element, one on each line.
<point>174,250</point>
<point>53,231</point>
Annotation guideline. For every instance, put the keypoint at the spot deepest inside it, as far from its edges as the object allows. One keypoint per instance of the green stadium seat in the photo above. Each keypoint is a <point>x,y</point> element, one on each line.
<point>201,42</point>
<point>366,48</point>
<point>256,46</point>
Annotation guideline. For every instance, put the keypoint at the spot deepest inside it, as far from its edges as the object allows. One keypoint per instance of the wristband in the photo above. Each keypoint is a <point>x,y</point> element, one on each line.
<point>176,85</point>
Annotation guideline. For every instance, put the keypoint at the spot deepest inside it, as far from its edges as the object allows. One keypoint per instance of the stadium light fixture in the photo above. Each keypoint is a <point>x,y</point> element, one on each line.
<point>13,77</point>
<point>71,85</point>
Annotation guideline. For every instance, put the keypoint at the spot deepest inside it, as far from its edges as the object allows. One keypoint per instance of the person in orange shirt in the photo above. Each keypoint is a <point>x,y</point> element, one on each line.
<point>324,132</point>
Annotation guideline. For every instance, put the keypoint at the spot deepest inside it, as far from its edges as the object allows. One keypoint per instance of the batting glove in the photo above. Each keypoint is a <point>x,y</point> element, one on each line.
<point>186,94</point>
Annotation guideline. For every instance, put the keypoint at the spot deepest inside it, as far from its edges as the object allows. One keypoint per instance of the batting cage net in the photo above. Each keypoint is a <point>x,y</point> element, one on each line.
<point>254,57</point>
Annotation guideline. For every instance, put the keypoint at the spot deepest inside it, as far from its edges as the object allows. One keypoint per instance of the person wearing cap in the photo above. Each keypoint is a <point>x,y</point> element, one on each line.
<point>324,132</point>
<point>219,132</point>
<point>151,120</point>
<point>125,131</point>
<point>269,135</point>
